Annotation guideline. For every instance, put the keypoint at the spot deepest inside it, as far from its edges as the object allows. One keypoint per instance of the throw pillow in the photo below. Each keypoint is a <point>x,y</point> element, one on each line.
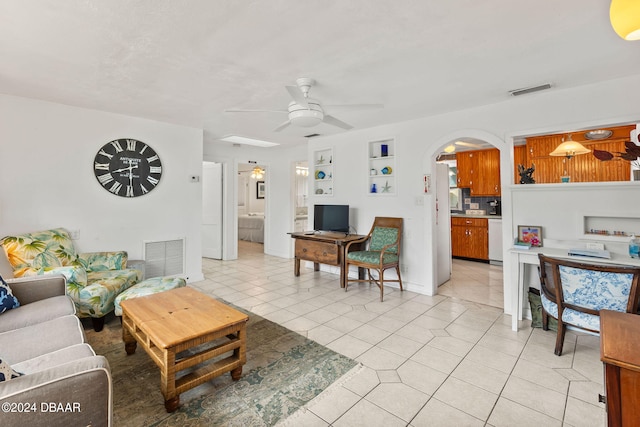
<point>6,372</point>
<point>7,300</point>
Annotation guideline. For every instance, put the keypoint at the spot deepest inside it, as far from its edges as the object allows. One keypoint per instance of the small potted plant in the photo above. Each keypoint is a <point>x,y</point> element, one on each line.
<point>631,153</point>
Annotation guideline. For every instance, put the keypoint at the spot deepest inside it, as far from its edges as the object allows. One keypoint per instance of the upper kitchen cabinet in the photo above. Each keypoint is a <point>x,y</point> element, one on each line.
<point>582,168</point>
<point>479,170</point>
<point>466,164</point>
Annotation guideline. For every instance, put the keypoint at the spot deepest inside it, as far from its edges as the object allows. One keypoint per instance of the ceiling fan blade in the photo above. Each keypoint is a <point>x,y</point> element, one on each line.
<point>297,96</point>
<point>232,110</point>
<point>282,126</point>
<point>335,122</point>
<point>347,107</point>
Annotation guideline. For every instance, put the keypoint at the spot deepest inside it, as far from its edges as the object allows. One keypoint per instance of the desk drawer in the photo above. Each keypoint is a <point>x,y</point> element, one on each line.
<point>322,252</point>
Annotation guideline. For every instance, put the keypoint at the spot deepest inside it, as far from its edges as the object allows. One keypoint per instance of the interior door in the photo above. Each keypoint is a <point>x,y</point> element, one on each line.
<point>212,210</point>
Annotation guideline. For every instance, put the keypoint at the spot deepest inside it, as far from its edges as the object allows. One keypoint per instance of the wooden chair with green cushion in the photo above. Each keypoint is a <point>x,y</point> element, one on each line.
<point>382,251</point>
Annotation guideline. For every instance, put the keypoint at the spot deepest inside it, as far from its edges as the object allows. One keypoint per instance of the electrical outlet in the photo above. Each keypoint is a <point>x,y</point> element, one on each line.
<point>404,268</point>
<point>467,200</point>
<point>474,205</point>
<point>74,234</point>
<point>194,178</point>
<point>419,201</point>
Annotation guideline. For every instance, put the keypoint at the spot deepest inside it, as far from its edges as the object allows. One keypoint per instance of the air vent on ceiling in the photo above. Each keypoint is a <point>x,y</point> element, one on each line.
<point>312,135</point>
<point>526,90</point>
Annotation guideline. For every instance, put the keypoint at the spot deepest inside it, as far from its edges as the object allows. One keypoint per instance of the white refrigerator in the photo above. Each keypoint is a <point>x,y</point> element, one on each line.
<point>443,224</point>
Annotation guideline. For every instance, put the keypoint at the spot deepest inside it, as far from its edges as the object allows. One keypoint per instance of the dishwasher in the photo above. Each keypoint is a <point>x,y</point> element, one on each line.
<point>495,241</point>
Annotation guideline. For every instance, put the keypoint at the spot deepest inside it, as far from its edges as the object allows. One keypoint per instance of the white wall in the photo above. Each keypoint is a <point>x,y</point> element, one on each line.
<point>47,179</point>
<point>419,141</point>
<point>279,163</point>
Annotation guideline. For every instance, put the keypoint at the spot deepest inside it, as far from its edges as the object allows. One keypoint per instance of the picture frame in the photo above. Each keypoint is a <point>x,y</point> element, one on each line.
<point>530,234</point>
<point>259,189</point>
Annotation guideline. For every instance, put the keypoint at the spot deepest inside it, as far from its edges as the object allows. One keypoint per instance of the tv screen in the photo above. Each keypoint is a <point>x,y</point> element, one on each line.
<point>331,218</point>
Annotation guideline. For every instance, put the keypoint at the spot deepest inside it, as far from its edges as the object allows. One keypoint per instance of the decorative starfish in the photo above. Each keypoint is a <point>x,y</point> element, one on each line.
<point>386,188</point>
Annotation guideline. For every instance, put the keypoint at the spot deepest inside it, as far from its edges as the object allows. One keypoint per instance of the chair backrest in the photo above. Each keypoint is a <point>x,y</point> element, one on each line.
<point>589,288</point>
<point>49,248</point>
<point>385,231</point>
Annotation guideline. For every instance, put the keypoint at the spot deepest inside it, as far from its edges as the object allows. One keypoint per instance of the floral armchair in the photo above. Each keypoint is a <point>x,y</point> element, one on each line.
<point>93,279</point>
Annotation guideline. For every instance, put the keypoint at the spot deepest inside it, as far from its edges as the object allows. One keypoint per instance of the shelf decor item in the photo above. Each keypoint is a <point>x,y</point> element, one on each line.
<point>384,150</point>
<point>530,234</point>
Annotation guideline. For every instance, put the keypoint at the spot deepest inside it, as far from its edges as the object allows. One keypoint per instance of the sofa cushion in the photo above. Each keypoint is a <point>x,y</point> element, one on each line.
<point>7,300</point>
<point>54,358</point>
<point>7,372</point>
<point>32,341</point>
<point>37,312</point>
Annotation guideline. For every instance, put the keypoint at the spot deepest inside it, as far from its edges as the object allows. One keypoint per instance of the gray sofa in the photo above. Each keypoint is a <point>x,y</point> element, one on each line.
<point>63,382</point>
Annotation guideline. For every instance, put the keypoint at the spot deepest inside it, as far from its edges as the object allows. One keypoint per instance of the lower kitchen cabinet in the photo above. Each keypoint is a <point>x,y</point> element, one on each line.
<point>470,238</point>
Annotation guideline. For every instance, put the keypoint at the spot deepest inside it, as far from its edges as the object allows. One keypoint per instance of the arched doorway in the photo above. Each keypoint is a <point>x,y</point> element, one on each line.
<point>472,277</point>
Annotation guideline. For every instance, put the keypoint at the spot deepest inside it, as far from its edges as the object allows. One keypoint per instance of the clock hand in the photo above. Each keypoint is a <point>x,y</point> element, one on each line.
<point>131,173</point>
<point>128,168</point>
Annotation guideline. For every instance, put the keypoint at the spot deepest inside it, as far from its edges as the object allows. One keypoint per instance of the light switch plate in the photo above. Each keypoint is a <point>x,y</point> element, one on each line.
<point>474,205</point>
<point>467,200</point>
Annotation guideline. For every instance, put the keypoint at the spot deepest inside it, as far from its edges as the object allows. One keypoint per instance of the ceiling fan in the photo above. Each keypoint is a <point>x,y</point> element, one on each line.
<point>304,111</point>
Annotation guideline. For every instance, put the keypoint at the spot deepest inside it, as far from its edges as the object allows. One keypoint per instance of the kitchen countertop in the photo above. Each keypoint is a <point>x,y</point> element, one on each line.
<point>462,215</point>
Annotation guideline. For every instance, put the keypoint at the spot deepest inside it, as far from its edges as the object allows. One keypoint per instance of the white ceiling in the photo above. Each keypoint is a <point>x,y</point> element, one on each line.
<point>185,62</point>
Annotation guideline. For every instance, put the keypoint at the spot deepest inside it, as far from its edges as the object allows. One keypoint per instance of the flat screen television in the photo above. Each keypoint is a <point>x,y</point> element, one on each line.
<point>331,218</point>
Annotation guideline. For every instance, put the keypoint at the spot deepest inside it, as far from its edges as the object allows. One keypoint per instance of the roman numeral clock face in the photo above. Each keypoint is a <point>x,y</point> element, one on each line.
<point>127,167</point>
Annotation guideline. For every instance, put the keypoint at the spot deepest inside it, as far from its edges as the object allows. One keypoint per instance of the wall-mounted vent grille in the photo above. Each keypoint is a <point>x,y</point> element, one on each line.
<point>312,135</point>
<point>164,258</point>
<point>524,91</point>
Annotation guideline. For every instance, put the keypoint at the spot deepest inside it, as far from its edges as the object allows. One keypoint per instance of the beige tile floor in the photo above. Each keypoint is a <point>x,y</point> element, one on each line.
<point>448,360</point>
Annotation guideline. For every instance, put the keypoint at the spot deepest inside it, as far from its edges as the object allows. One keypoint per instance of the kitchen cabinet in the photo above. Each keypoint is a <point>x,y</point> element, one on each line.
<point>465,163</point>
<point>479,170</point>
<point>487,178</point>
<point>519,158</point>
<point>470,238</point>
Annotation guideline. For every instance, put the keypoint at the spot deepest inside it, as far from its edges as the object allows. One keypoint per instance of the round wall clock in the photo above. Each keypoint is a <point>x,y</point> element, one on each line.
<point>127,167</point>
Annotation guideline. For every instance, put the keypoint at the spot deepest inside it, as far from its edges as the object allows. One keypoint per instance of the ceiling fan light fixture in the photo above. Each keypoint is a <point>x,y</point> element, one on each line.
<point>569,149</point>
<point>306,117</point>
<point>450,148</point>
<point>257,173</point>
<point>625,18</point>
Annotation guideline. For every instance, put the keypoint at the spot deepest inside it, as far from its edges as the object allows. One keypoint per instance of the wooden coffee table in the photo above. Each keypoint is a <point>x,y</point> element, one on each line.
<point>168,323</point>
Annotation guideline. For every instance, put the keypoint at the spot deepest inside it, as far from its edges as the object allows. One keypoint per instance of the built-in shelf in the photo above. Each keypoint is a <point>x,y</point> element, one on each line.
<point>322,172</point>
<point>611,228</point>
<point>382,167</point>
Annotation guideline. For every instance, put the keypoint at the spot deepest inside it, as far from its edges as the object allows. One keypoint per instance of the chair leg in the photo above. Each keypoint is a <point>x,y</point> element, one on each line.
<point>399,278</point>
<point>98,323</point>
<point>560,337</point>
<point>545,320</point>
<point>381,284</point>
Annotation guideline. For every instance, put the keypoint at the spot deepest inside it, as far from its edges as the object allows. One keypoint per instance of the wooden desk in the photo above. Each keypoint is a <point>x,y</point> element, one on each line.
<point>620,353</point>
<point>324,248</point>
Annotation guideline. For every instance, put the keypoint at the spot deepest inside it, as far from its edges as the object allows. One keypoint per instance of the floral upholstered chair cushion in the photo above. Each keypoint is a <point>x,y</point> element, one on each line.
<point>590,289</point>
<point>93,279</point>
<point>380,237</point>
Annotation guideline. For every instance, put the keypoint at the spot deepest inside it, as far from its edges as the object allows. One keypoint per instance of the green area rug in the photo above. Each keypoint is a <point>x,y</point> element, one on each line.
<point>284,371</point>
